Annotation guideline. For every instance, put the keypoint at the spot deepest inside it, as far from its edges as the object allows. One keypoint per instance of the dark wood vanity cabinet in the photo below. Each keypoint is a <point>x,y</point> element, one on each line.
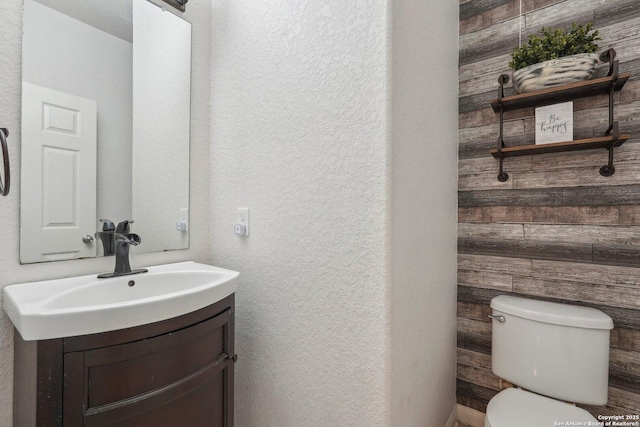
<point>178,372</point>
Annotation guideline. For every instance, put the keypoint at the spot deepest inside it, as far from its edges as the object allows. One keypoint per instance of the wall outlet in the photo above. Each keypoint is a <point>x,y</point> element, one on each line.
<point>239,229</point>
<point>243,219</point>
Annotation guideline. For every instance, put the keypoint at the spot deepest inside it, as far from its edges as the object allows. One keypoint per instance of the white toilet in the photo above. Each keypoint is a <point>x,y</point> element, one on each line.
<point>559,353</point>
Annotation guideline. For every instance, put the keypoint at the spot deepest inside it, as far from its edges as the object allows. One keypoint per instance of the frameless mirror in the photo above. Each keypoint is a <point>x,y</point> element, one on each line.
<point>105,127</point>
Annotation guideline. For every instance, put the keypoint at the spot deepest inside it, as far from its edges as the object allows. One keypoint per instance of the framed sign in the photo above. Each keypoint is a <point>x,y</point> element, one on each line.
<point>554,123</point>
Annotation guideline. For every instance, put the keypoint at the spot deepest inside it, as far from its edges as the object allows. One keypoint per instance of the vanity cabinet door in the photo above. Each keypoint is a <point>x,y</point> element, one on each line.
<point>181,378</point>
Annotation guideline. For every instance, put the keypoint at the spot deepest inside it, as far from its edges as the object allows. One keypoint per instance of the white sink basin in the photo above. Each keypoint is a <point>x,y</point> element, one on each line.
<point>87,305</point>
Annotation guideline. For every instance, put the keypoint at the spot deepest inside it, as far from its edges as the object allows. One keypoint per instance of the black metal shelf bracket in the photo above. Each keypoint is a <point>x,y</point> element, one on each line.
<point>608,169</point>
<point>502,80</point>
<point>609,56</point>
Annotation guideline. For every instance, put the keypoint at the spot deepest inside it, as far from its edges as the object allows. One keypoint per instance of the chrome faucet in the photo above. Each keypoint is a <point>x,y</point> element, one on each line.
<point>107,237</point>
<point>124,240</point>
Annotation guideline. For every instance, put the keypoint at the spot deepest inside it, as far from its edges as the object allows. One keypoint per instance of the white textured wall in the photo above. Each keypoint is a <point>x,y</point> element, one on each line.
<point>11,271</point>
<point>333,309</point>
<point>70,56</point>
<point>299,135</point>
<point>424,202</point>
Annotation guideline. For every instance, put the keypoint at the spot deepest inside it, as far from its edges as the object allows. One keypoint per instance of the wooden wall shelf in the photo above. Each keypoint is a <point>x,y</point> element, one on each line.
<point>600,86</point>
<point>576,145</point>
<point>613,82</point>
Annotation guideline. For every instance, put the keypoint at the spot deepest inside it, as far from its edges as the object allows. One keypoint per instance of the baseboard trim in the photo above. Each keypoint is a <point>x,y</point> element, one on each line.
<point>470,416</point>
<point>453,418</point>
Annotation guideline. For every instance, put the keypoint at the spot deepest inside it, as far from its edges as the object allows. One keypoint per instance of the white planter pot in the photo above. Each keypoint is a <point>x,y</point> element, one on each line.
<point>565,70</point>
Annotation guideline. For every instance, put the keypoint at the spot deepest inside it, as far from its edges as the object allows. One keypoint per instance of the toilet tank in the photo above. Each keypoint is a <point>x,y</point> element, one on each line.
<point>558,350</point>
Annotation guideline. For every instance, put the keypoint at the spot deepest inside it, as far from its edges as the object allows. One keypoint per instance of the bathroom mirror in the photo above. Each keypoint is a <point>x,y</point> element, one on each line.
<point>105,127</point>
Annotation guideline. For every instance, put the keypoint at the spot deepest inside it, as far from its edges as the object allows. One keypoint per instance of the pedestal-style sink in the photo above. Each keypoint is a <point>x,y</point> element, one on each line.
<point>86,305</point>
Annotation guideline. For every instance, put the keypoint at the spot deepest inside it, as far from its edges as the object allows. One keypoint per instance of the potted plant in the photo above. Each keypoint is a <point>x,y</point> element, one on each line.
<point>555,57</point>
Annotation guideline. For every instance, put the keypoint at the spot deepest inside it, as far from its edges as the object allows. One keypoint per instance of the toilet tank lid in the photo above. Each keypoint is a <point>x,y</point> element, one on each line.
<point>551,312</point>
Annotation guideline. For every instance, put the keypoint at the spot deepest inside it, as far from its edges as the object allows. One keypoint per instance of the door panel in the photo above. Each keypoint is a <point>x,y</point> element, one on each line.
<point>58,197</point>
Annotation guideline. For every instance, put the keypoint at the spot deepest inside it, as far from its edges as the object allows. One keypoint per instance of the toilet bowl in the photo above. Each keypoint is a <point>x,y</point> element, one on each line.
<point>558,352</point>
<point>519,408</point>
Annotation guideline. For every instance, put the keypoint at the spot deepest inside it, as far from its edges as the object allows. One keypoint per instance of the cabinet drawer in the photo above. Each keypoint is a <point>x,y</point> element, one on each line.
<point>122,372</point>
<point>196,401</point>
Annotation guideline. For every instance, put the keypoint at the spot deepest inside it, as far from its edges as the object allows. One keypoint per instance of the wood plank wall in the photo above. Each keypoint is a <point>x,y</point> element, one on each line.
<point>556,230</point>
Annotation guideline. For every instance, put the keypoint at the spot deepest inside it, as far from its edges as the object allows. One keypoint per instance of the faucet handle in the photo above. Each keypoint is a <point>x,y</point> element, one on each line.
<point>107,225</point>
<point>123,227</point>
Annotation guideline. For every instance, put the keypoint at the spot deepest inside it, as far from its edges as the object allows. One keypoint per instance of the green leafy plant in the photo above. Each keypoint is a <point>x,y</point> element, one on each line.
<point>555,43</point>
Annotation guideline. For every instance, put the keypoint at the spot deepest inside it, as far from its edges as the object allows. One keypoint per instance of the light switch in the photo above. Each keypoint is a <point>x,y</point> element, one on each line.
<point>182,224</point>
<point>243,219</point>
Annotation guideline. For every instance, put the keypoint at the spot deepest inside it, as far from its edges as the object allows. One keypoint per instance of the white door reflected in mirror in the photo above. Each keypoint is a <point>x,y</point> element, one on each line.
<point>59,190</point>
